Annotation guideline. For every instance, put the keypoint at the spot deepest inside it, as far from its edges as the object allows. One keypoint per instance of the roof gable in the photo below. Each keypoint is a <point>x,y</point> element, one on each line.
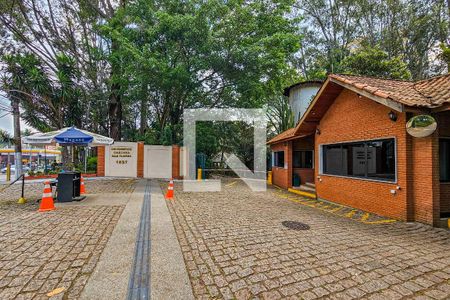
<point>285,135</point>
<point>397,94</point>
<point>432,94</point>
<point>429,93</point>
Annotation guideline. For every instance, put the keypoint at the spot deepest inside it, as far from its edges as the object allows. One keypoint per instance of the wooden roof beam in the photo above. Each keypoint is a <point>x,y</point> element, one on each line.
<point>444,107</point>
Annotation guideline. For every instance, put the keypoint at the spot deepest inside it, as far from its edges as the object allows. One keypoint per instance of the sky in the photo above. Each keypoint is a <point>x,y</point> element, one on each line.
<point>6,122</point>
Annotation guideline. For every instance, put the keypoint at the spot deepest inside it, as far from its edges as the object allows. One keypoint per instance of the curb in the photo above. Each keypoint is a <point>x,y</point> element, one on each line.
<point>302,193</point>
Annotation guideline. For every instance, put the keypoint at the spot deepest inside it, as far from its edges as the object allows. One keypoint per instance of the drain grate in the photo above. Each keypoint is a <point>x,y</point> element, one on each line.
<point>295,225</point>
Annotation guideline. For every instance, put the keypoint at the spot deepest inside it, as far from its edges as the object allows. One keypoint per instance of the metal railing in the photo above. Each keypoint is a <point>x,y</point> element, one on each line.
<point>22,197</point>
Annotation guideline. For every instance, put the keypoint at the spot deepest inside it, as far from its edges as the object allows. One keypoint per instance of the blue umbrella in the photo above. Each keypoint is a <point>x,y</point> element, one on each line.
<point>73,136</point>
<point>69,136</point>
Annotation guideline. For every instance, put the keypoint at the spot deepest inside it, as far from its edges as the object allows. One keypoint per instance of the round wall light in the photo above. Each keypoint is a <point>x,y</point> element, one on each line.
<point>393,116</point>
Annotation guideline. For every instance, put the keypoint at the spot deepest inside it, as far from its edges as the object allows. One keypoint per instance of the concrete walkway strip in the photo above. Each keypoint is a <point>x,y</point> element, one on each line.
<point>138,287</point>
<point>123,269</point>
<point>169,278</point>
<point>111,275</point>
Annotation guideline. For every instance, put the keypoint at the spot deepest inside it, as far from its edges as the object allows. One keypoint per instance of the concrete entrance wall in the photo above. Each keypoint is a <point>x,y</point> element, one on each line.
<point>129,159</point>
<point>183,162</point>
<point>121,159</point>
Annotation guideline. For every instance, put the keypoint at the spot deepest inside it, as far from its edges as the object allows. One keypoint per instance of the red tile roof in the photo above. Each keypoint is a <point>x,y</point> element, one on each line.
<point>428,93</point>
<point>285,135</point>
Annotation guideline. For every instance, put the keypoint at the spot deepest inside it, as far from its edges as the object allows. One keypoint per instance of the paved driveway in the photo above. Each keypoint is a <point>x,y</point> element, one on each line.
<point>55,252</point>
<point>34,188</point>
<point>235,246</point>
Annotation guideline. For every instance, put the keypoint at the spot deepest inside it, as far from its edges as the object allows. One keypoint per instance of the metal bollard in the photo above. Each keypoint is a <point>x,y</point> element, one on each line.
<point>8,172</point>
<point>269,177</point>
<point>22,198</point>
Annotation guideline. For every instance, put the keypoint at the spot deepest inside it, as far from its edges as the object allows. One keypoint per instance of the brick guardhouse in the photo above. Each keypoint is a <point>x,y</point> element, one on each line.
<point>350,146</point>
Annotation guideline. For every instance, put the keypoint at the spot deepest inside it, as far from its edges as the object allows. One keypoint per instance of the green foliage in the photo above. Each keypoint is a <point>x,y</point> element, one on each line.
<point>406,31</point>
<point>91,164</point>
<point>5,137</point>
<point>375,62</point>
<point>223,138</point>
<point>446,54</point>
<point>207,138</point>
<point>137,65</point>
<point>48,103</point>
<point>202,54</point>
<point>280,115</point>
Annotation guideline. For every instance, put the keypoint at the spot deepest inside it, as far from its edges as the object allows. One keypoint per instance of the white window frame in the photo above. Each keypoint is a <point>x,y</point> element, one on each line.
<point>284,156</point>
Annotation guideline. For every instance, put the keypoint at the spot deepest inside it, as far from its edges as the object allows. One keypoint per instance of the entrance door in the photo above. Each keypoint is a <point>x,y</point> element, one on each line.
<point>444,168</point>
<point>158,161</point>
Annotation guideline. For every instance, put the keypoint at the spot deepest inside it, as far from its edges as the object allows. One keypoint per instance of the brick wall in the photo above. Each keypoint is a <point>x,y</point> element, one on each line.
<point>101,161</point>
<point>140,159</point>
<point>176,162</point>
<point>352,118</point>
<point>306,175</point>
<point>282,177</point>
<point>426,179</point>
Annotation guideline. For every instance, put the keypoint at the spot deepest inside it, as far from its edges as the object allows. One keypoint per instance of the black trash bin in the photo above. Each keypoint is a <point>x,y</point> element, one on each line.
<point>69,187</point>
<point>295,180</point>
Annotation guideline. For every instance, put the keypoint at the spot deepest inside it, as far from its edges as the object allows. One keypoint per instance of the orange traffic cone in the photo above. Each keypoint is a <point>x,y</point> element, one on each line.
<point>47,198</point>
<point>82,187</point>
<point>169,194</point>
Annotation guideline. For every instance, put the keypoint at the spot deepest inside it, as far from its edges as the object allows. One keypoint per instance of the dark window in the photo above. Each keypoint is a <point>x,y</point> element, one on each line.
<point>371,159</point>
<point>278,159</point>
<point>355,159</point>
<point>381,159</point>
<point>332,159</point>
<point>303,159</point>
<point>444,159</point>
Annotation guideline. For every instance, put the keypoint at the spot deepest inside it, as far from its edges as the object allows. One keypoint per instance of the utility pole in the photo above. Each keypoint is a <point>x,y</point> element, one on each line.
<point>17,138</point>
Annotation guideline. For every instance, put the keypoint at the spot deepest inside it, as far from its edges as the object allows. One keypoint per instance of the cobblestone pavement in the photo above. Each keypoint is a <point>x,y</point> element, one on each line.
<point>333,208</point>
<point>33,190</point>
<point>41,252</point>
<point>235,247</point>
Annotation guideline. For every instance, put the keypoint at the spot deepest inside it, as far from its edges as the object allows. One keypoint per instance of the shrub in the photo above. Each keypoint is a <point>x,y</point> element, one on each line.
<point>92,164</point>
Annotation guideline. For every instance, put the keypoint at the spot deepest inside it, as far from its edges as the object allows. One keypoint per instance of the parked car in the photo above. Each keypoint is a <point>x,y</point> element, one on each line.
<point>13,169</point>
<point>42,168</point>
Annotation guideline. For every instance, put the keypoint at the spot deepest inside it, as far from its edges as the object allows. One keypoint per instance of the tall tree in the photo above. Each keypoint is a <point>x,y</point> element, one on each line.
<point>372,61</point>
<point>204,54</point>
<point>50,99</point>
<point>54,28</point>
<point>407,30</point>
<point>329,32</point>
<point>280,115</point>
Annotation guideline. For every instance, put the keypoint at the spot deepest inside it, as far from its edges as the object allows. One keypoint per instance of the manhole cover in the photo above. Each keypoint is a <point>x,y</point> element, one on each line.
<point>295,225</point>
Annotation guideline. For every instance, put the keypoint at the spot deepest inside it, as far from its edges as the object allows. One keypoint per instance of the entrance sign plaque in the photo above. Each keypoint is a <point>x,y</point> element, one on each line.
<point>121,159</point>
